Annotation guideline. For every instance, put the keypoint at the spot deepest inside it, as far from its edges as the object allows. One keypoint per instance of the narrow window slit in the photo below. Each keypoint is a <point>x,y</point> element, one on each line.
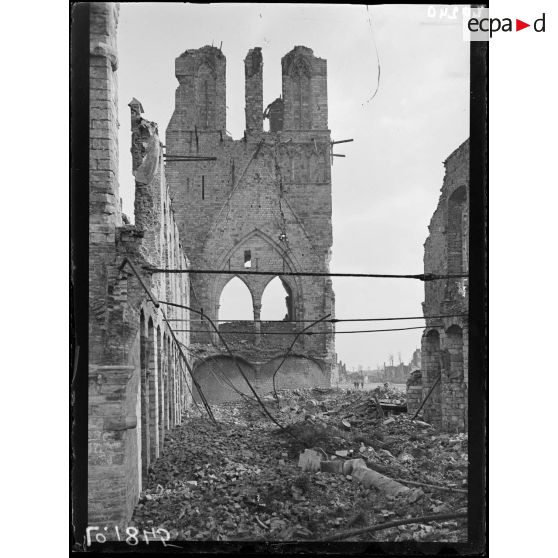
<point>247,258</point>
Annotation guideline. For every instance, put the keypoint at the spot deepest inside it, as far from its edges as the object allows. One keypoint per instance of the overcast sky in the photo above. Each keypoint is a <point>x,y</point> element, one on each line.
<point>387,187</point>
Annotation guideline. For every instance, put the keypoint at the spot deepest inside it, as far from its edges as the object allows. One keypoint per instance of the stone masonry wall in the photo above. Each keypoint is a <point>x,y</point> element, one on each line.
<point>253,72</point>
<point>137,390</point>
<point>215,374</point>
<point>445,345</point>
<point>268,194</point>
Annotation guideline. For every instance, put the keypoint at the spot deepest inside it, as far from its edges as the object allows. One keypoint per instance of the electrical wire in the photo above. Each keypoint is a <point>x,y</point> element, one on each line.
<point>419,276</point>
<point>260,402</point>
<point>221,376</point>
<point>290,349</point>
<point>155,302</point>
<point>314,332</point>
<point>335,320</point>
<point>211,340</point>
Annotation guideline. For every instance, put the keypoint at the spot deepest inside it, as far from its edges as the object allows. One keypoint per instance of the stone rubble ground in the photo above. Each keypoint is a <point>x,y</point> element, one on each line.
<point>241,480</point>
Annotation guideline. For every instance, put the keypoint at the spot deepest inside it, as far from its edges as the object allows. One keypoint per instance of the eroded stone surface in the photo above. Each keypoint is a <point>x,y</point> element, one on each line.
<point>444,350</point>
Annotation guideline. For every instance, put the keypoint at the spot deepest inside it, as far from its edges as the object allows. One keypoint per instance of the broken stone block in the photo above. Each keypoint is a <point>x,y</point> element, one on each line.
<point>372,479</point>
<point>352,464</point>
<point>310,460</point>
<point>359,473</point>
<point>331,466</point>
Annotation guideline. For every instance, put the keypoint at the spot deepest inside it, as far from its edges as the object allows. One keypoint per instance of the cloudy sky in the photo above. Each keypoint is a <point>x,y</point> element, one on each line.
<point>387,187</point>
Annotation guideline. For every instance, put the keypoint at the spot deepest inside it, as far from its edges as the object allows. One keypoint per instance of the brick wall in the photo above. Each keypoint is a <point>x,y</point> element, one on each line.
<point>253,72</point>
<point>128,382</point>
<point>414,398</point>
<point>444,349</point>
<point>216,374</point>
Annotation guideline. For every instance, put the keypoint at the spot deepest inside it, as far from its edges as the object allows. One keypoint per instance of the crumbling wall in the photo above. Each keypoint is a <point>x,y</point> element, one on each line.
<point>137,390</point>
<point>268,194</point>
<point>414,391</point>
<point>444,350</point>
<point>218,374</point>
<point>295,371</point>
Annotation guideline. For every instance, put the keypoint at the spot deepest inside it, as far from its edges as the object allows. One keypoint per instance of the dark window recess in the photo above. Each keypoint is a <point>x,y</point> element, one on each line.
<point>203,187</point>
<point>247,258</point>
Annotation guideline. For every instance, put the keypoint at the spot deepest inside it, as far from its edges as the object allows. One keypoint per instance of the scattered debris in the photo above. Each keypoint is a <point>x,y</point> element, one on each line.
<point>249,480</point>
<point>310,460</point>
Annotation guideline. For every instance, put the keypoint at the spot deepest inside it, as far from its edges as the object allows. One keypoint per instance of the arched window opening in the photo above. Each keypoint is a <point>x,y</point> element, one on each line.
<point>235,302</point>
<point>455,347</point>
<point>277,301</point>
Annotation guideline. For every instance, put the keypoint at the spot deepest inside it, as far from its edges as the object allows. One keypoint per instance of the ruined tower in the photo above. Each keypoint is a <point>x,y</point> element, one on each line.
<point>260,203</point>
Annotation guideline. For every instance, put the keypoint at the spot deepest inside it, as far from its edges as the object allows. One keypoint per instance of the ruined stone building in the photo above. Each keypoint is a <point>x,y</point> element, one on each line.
<point>210,202</point>
<point>444,349</point>
<point>260,203</point>
<point>137,384</point>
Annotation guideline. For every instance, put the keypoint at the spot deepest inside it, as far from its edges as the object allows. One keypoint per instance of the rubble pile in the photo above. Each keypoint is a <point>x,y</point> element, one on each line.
<point>245,478</point>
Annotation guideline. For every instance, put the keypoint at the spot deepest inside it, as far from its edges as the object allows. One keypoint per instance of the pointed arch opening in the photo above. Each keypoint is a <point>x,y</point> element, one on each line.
<point>277,301</point>
<point>235,302</point>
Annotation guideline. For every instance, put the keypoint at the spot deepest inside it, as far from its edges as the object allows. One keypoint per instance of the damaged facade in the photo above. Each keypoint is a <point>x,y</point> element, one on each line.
<point>215,203</point>
<point>137,386</point>
<point>444,347</point>
<point>261,203</point>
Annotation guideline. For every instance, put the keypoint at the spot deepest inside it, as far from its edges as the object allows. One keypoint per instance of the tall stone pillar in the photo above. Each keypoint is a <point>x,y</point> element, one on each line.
<point>257,323</point>
<point>161,360</point>
<point>253,75</point>
<point>152,365</point>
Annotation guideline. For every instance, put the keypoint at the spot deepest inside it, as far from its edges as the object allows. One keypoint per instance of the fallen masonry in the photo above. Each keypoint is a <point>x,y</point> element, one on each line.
<point>262,203</point>
<point>242,480</point>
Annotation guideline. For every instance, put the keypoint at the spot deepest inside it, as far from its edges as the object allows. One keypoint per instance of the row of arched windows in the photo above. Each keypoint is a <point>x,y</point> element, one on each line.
<point>163,393</point>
